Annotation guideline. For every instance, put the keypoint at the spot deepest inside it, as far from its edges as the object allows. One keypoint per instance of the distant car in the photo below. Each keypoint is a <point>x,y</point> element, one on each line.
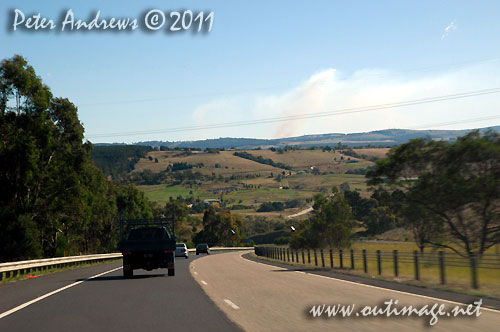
<point>203,247</point>
<point>181,250</point>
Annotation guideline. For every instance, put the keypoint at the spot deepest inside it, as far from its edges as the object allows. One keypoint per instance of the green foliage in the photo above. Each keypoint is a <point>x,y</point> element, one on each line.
<point>53,200</point>
<point>218,228</point>
<point>271,206</point>
<point>176,209</point>
<point>457,184</point>
<point>330,226</point>
<point>118,160</point>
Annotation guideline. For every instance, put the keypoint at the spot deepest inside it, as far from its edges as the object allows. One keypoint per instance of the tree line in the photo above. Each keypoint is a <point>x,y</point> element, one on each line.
<point>447,193</point>
<point>53,200</point>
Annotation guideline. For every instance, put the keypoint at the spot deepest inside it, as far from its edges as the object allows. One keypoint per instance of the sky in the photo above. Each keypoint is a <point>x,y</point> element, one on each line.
<point>267,69</point>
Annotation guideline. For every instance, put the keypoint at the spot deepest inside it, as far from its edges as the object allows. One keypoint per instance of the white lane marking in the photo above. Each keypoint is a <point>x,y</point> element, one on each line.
<point>376,287</point>
<point>231,304</point>
<point>24,305</point>
<point>204,282</point>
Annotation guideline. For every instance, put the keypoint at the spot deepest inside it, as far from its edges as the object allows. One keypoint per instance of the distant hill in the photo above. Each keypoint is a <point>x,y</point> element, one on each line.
<point>379,138</point>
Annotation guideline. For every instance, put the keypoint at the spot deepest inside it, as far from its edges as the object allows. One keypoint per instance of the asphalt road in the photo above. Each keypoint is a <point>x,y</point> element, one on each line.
<point>151,301</point>
<point>263,297</point>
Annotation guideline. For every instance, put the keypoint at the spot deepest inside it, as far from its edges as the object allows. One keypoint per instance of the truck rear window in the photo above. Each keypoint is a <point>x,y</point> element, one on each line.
<point>146,233</point>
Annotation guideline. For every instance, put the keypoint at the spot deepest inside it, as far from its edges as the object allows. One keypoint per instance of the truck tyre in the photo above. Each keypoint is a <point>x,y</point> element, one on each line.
<point>171,272</point>
<point>128,272</point>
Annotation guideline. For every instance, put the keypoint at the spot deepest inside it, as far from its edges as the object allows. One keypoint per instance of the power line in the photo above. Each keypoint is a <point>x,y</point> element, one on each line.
<point>307,116</point>
<point>233,92</point>
<point>442,124</point>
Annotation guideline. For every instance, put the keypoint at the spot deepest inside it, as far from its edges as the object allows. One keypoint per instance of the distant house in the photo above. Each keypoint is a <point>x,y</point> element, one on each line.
<point>212,202</point>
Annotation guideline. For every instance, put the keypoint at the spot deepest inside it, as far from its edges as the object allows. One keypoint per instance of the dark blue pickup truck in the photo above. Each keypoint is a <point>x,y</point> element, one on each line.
<point>148,245</point>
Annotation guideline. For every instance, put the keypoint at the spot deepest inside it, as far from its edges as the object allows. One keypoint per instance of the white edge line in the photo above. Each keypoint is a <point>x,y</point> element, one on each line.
<point>381,288</point>
<point>231,304</point>
<point>24,305</point>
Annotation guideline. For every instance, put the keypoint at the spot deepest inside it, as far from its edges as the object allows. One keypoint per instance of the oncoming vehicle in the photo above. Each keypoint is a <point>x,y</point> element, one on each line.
<point>181,250</point>
<point>147,244</point>
<point>202,248</point>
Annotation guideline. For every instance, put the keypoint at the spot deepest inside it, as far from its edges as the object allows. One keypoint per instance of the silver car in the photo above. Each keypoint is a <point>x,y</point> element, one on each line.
<point>181,250</point>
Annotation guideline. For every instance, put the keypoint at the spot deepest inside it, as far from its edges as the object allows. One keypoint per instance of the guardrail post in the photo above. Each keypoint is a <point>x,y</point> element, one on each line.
<point>395,256</point>
<point>303,258</point>
<point>331,258</point>
<point>341,259</point>
<point>379,262</point>
<point>441,268</point>
<point>365,265</point>
<point>352,259</point>
<point>308,257</point>
<point>322,258</point>
<point>473,267</point>
<point>315,258</point>
<point>415,260</point>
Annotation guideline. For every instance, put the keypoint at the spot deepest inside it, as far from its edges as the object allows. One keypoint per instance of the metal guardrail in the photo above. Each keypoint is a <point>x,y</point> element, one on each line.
<point>350,259</point>
<point>12,269</point>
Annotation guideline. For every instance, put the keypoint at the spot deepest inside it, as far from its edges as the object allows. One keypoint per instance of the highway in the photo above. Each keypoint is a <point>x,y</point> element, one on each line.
<point>262,297</point>
<point>151,301</point>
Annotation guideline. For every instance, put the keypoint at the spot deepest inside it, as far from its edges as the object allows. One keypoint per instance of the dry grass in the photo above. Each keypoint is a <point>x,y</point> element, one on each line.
<point>305,159</point>
<point>229,164</point>
<point>373,152</point>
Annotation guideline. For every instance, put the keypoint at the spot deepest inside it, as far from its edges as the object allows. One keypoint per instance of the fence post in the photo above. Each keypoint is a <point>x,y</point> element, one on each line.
<point>341,260</point>
<point>352,259</point>
<point>331,258</point>
<point>287,254</point>
<point>292,256</point>
<point>296,256</point>
<point>415,259</point>
<point>379,262</point>
<point>365,265</point>
<point>308,257</point>
<point>396,270</point>
<point>441,268</point>
<point>322,259</point>
<point>473,266</point>
<point>315,258</point>
<point>303,259</point>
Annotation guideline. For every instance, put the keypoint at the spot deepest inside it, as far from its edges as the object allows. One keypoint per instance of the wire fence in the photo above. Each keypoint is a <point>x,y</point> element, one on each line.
<point>435,267</point>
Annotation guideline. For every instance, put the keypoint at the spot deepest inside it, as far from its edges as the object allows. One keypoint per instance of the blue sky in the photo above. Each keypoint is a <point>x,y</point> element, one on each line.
<point>266,59</point>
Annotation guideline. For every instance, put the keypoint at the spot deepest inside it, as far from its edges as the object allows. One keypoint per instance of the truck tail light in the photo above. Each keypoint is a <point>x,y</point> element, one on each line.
<point>169,251</point>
